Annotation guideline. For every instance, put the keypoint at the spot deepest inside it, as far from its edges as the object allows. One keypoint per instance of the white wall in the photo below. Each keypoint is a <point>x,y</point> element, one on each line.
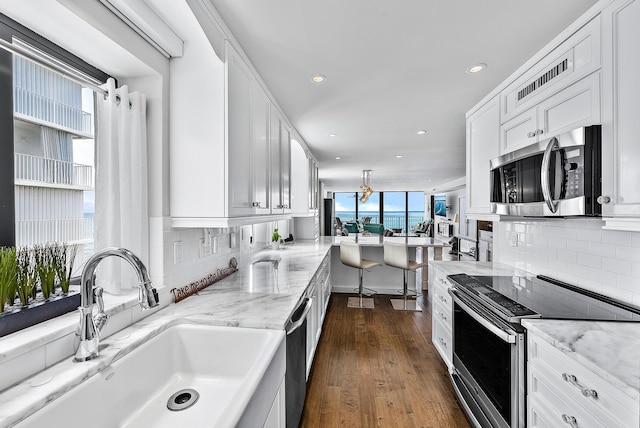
<point>577,251</point>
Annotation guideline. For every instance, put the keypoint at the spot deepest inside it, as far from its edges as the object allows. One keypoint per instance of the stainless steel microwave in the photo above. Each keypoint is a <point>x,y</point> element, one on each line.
<point>557,177</point>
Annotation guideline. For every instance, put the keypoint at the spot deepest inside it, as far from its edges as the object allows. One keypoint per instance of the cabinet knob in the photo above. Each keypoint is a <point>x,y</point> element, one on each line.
<point>531,134</point>
<point>603,200</point>
<point>539,132</point>
<point>255,204</point>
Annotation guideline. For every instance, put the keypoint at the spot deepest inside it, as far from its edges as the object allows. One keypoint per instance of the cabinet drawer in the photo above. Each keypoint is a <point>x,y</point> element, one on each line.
<point>610,405</point>
<point>441,295</point>
<point>443,313</point>
<point>442,340</point>
<point>542,414</point>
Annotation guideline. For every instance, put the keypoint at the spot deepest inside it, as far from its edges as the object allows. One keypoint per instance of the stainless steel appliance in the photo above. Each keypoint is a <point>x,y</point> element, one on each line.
<point>489,342</point>
<point>557,177</point>
<point>295,379</point>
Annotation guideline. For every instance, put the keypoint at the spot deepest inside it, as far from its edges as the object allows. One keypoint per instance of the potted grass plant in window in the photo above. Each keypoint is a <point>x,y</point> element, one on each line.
<point>34,285</point>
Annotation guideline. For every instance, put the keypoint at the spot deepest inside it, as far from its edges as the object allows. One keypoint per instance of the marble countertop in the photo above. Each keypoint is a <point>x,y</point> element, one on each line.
<point>375,240</point>
<point>261,294</point>
<point>609,349</point>
<point>475,268</point>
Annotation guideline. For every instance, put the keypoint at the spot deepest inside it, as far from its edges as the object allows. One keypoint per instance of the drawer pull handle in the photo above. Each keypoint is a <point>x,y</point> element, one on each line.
<point>442,299</point>
<point>442,316</point>
<point>442,342</point>
<point>571,420</point>
<point>531,134</point>
<point>573,380</point>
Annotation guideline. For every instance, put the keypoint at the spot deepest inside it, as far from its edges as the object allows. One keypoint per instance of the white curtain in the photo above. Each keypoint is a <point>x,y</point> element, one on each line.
<point>121,215</point>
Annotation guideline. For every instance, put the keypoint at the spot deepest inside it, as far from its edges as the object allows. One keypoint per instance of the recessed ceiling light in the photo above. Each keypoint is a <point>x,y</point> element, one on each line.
<point>332,135</point>
<point>422,132</point>
<point>338,158</point>
<point>398,156</point>
<point>477,68</point>
<point>318,78</point>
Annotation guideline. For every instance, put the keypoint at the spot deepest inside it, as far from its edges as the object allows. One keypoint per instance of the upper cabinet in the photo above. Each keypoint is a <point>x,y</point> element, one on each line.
<point>304,181</point>
<point>230,145</point>
<point>585,76</point>
<point>483,128</point>
<point>553,96</point>
<point>621,92</point>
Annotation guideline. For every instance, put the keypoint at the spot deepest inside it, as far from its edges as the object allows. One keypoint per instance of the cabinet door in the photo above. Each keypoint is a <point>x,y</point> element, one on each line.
<point>274,142</point>
<point>575,106</point>
<point>483,133</point>
<point>285,168</point>
<point>239,135</point>
<point>621,92</point>
<point>260,118</point>
<point>518,132</point>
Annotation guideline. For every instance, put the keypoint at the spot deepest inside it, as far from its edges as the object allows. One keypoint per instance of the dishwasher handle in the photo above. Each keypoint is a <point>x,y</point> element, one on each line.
<point>293,324</point>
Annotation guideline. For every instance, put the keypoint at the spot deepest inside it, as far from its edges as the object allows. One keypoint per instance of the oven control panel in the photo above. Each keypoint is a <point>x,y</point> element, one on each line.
<point>483,291</point>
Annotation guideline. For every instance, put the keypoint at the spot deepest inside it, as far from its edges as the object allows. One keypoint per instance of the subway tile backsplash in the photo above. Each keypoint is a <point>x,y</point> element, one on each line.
<point>577,251</point>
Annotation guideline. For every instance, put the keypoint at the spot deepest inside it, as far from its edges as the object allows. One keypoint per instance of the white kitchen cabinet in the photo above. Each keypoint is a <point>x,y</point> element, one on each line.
<point>221,153</point>
<point>320,290</point>
<point>574,106</point>
<point>621,92</point>
<point>239,134</point>
<point>573,59</point>
<point>562,391</point>
<point>260,150</point>
<point>483,133</point>
<point>441,315</point>
<point>277,417</point>
<point>280,143</point>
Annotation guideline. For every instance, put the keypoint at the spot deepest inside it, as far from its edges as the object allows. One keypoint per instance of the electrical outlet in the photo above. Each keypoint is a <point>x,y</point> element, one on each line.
<point>214,245</point>
<point>177,252</point>
<point>514,239</point>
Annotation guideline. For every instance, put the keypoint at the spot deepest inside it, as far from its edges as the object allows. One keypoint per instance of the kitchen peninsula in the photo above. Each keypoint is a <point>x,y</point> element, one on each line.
<point>383,279</point>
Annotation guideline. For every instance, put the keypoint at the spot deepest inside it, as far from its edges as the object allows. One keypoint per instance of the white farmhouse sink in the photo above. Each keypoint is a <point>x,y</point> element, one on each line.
<point>236,371</point>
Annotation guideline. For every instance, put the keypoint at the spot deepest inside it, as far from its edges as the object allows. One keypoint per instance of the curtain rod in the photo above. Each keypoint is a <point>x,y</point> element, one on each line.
<point>50,63</point>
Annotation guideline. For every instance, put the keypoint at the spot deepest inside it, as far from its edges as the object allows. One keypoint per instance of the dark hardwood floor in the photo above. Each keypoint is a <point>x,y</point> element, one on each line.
<point>378,368</point>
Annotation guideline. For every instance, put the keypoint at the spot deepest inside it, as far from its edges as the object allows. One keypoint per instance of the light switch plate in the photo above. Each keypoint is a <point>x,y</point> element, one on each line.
<point>177,252</point>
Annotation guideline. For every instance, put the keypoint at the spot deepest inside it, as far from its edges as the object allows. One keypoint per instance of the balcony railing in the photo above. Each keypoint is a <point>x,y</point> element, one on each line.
<point>30,232</point>
<point>389,221</point>
<point>52,171</point>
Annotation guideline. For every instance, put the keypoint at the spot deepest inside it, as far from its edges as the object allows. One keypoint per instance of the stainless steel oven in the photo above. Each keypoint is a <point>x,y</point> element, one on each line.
<point>489,361</point>
<point>489,342</point>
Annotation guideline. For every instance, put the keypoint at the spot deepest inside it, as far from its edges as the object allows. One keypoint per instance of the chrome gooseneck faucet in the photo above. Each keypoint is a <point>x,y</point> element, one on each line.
<point>90,327</point>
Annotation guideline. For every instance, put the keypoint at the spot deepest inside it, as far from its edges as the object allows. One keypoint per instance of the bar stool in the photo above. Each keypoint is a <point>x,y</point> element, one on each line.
<point>397,255</point>
<point>351,255</point>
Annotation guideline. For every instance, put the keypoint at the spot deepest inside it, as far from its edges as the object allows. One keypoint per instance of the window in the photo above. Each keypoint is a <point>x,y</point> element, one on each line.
<point>46,164</point>
<point>49,167</point>
<point>395,210</point>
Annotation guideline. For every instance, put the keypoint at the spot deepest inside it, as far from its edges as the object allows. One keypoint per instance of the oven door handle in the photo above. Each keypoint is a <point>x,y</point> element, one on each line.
<point>505,336</point>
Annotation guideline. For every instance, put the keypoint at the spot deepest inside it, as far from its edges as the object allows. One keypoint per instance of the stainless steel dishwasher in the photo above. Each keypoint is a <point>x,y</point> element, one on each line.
<point>295,376</point>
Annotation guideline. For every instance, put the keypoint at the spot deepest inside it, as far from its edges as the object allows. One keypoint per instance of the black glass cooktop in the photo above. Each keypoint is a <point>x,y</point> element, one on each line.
<point>533,297</point>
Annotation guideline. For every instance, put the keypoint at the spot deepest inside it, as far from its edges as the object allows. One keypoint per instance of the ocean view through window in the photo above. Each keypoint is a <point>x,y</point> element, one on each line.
<point>395,210</point>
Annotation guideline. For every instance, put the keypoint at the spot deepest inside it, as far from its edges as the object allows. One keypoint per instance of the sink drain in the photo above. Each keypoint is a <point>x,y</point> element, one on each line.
<point>182,399</point>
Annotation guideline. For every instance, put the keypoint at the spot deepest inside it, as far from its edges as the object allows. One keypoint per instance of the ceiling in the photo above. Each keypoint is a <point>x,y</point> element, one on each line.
<point>392,69</point>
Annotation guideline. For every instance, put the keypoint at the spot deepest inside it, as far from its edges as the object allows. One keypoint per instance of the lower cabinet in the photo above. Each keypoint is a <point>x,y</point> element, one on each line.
<point>563,392</point>
<point>320,291</point>
<point>277,415</point>
<point>441,315</point>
